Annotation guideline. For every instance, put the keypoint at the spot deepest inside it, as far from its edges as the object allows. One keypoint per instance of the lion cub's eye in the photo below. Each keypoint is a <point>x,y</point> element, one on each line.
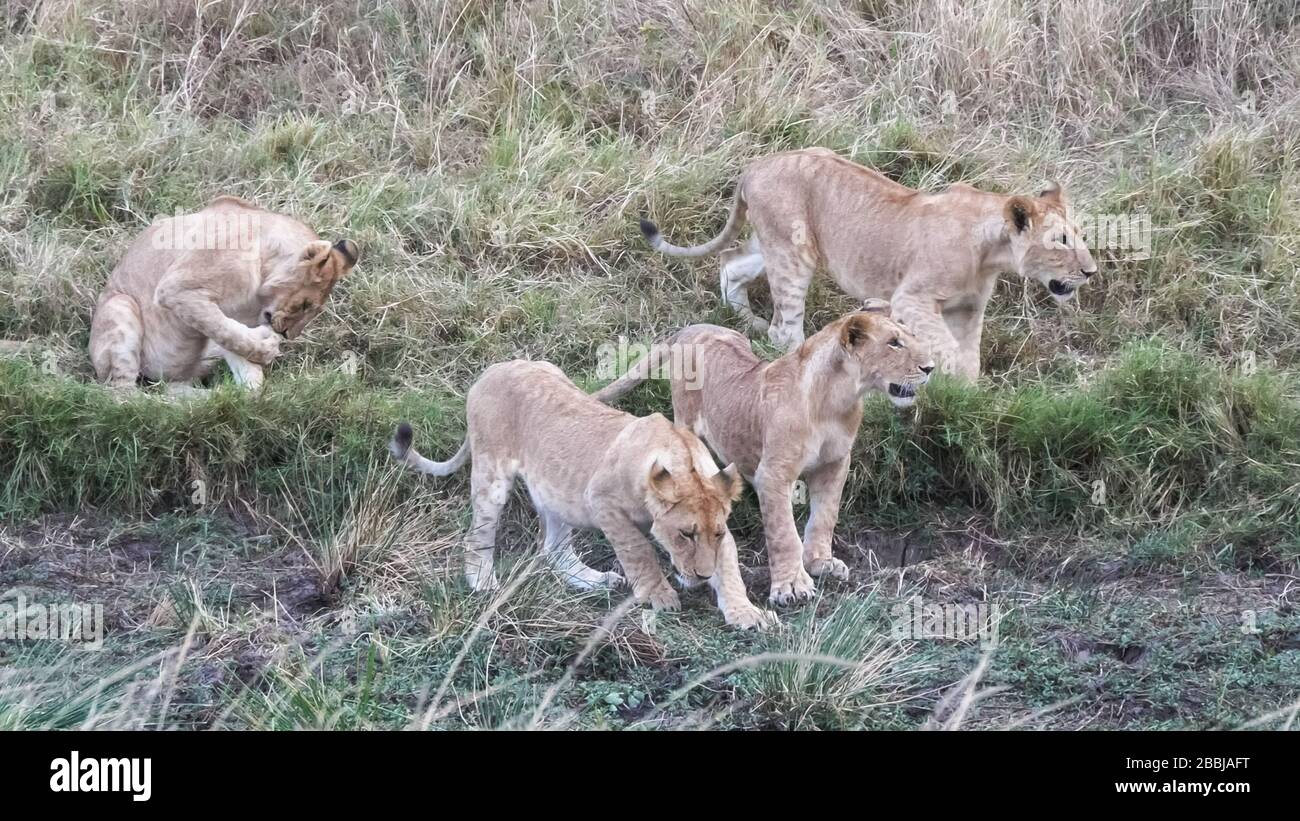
<point>689,535</point>
<point>720,535</point>
<point>895,343</point>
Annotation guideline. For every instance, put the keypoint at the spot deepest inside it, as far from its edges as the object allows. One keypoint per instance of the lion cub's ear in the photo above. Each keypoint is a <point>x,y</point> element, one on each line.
<point>857,329</point>
<point>313,259</point>
<point>662,484</point>
<point>877,306</point>
<point>315,251</point>
<point>1019,214</point>
<point>350,253</point>
<point>729,482</point>
<point>1053,193</point>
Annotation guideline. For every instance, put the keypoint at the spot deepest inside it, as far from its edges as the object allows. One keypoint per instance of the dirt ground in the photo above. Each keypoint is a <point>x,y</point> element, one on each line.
<point>1094,641</point>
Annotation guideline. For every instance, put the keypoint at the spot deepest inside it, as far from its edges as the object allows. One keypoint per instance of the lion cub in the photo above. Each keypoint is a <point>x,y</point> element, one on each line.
<point>590,466</point>
<point>223,283</point>
<point>936,255</point>
<point>794,417</point>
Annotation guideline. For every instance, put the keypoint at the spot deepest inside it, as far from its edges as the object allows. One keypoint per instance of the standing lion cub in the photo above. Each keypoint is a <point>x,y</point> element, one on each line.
<point>225,282</point>
<point>935,256</point>
<point>590,466</point>
<point>791,418</point>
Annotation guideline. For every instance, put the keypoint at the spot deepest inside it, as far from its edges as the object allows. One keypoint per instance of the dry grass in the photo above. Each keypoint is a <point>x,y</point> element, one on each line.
<point>491,159</point>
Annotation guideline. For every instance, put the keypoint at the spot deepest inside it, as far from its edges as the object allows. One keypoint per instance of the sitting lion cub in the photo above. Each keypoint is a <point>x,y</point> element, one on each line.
<point>590,466</point>
<point>796,416</point>
<point>225,282</point>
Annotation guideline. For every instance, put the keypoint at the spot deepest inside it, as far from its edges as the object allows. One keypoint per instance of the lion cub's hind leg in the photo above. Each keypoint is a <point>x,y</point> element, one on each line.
<point>116,339</point>
<point>247,374</point>
<point>490,485</point>
<point>185,390</point>
<point>739,268</point>
<point>557,545</point>
<point>790,273</point>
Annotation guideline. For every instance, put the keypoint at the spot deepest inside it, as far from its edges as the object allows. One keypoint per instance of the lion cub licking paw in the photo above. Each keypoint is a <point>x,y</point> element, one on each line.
<point>795,417</point>
<point>224,283</point>
<point>590,466</point>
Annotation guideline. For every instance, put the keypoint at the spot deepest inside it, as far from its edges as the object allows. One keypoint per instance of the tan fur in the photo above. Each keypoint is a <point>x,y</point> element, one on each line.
<point>791,418</point>
<point>590,466</point>
<point>935,257</point>
<point>225,282</point>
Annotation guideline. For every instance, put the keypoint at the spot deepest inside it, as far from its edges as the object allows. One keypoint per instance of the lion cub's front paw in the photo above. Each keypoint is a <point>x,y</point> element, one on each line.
<point>663,597</point>
<point>183,390</point>
<point>800,588</point>
<point>480,581</point>
<point>829,566</point>
<point>266,348</point>
<point>750,617</point>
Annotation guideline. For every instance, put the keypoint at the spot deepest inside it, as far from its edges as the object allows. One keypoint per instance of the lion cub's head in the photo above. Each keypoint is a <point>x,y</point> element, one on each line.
<point>295,294</point>
<point>884,354</point>
<point>690,513</point>
<point>1045,244</point>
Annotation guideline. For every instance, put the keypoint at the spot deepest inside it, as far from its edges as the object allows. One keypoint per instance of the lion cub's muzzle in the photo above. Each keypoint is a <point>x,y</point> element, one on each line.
<point>1063,289</point>
<point>286,326</point>
<point>280,326</point>
<point>903,394</point>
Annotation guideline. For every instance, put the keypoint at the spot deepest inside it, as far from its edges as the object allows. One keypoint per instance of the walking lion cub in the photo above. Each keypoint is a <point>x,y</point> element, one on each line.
<point>590,466</point>
<point>794,417</point>
<point>935,256</point>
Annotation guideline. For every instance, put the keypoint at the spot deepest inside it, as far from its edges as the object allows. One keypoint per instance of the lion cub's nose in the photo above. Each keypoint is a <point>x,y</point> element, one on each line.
<point>1088,274</point>
<point>926,369</point>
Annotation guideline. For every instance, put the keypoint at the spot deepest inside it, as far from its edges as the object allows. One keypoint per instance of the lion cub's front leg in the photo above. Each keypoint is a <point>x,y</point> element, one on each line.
<point>923,320</point>
<point>825,485</point>
<point>640,564</point>
<point>790,581</point>
<point>197,310</point>
<point>733,601</point>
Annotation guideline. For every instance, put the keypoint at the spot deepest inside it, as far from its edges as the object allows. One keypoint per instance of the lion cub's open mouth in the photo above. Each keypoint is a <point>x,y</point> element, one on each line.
<point>902,395</point>
<point>1061,289</point>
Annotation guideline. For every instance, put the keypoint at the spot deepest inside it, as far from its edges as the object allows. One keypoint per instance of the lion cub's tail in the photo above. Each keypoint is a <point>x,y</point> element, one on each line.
<point>638,373</point>
<point>400,447</point>
<point>729,234</point>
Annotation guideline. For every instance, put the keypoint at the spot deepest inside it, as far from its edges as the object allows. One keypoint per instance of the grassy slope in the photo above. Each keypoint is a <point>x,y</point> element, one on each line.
<point>491,164</point>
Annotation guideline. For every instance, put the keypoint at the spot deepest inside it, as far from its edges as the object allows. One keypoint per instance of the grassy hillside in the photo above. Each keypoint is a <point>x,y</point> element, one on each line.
<point>1124,481</point>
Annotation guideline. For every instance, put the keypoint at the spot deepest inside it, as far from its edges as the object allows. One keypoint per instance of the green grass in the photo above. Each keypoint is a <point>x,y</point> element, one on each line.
<point>1156,436</point>
<point>1126,474</point>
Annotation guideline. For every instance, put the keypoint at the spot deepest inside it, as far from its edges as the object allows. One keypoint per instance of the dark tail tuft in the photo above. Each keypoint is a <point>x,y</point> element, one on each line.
<point>650,230</point>
<point>402,439</point>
